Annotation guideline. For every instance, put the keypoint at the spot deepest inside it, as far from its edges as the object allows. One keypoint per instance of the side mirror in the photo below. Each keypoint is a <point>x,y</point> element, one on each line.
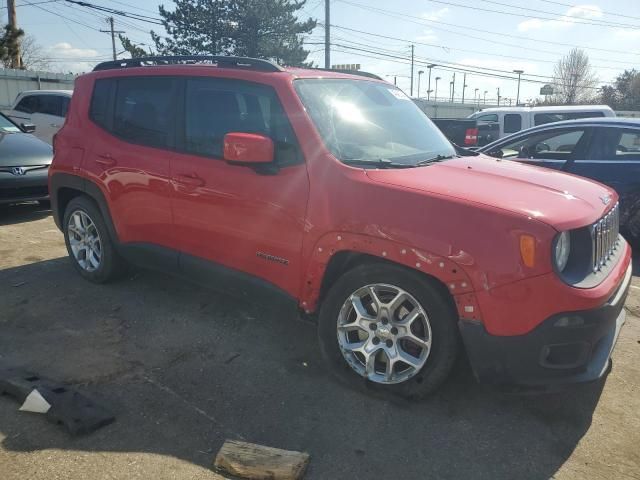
<point>28,127</point>
<point>248,148</point>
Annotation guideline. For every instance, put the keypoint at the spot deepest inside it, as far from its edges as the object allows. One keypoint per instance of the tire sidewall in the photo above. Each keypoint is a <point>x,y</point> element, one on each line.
<point>442,319</point>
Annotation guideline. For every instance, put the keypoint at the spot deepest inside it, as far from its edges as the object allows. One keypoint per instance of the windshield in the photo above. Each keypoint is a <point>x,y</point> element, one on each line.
<point>6,126</point>
<point>369,122</point>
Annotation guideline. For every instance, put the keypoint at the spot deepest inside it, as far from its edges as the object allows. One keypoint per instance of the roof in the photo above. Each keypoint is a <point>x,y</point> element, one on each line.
<point>550,109</point>
<point>65,92</point>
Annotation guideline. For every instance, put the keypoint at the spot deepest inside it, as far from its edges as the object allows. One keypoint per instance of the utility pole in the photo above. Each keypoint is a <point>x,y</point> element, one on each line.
<point>498,96</point>
<point>435,97</point>
<point>464,85</point>
<point>16,61</point>
<point>519,72</point>
<point>113,36</point>
<point>430,66</point>
<point>453,87</point>
<point>327,34</point>
<point>411,89</point>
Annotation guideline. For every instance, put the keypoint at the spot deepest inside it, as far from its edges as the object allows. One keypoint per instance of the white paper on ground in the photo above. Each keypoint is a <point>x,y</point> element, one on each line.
<point>35,403</point>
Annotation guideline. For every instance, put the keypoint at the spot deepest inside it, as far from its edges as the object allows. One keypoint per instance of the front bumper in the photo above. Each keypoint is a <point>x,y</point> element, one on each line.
<point>567,347</point>
<point>33,185</point>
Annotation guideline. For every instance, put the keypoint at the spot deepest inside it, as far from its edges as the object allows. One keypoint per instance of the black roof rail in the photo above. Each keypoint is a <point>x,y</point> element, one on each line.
<point>350,72</point>
<point>219,60</point>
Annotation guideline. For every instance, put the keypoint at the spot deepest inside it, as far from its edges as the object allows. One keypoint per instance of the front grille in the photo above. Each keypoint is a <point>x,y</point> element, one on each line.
<point>23,192</point>
<point>604,237</point>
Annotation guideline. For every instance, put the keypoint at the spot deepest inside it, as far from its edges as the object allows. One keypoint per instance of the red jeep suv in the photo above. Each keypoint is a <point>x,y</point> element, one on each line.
<point>335,191</point>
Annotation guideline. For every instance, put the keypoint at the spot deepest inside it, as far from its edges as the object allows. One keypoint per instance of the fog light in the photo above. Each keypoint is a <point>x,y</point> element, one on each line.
<point>569,322</point>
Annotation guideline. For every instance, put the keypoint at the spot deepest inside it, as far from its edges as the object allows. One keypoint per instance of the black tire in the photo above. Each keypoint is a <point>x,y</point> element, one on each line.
<point>442,318</point>
<point>112,266</point>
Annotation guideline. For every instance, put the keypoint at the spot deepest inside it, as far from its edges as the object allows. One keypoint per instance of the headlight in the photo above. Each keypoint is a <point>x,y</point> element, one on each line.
<point>561,250</point>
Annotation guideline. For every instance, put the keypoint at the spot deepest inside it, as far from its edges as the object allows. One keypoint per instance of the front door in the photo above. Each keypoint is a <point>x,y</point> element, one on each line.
<point>250,220</point>
<point>614,159</point>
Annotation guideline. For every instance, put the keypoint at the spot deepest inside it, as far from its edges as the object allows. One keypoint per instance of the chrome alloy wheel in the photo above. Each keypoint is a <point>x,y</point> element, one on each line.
<point>384,333</point>
<point>84,241</point>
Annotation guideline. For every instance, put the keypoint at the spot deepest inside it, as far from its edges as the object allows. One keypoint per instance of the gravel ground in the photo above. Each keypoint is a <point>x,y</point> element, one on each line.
<point>184,368</point>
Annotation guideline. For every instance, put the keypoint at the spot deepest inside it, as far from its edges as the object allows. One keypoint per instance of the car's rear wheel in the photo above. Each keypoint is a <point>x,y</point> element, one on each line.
<point>88,242</point>
<point>391,327</point>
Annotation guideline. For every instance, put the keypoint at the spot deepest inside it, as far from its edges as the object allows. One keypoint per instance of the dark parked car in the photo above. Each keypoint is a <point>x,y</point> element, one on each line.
<point>24,164</point>
<point>604,149</point>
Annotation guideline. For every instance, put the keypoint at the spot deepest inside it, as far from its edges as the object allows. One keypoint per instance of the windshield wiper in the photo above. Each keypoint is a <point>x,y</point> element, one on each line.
<point>377,162</point>
<point>437,158</point>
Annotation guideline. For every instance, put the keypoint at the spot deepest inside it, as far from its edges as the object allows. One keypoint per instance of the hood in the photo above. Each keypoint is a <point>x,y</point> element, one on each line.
<point>558,199</point>
<point>23,149</point>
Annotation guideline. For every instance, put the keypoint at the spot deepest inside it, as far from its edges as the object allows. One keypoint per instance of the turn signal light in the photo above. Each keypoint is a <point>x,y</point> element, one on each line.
<point>528,250</point>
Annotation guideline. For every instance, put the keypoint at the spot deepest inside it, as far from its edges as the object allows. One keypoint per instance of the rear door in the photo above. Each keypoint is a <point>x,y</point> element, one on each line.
<point>614,159</point>
<point>552,148</point>
<point>132,132</point>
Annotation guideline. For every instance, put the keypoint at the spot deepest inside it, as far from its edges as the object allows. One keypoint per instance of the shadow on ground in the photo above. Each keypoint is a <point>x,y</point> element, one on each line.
<point>184,368</point>
<point>23,212</point>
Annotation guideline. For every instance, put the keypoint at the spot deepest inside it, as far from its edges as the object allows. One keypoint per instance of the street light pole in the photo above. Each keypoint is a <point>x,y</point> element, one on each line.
<point>430,66</point>
<point>519,72</point>
<point>420,72</point>
<point>475,96</point>
<point>498,96</point>
<point>464,85</point>
<point>435,96</point>
<point>485,97</point>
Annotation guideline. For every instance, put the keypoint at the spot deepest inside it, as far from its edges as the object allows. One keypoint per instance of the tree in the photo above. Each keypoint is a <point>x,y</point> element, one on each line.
<point>257,28</point>
<point>10,45</point>
<point>574,80</point>
<point>34,57</point>
<point>134,50</point>
<point>624,94</point>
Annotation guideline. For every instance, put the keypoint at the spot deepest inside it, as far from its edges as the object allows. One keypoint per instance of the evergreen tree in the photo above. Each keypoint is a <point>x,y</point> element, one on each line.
<point>257,28</point>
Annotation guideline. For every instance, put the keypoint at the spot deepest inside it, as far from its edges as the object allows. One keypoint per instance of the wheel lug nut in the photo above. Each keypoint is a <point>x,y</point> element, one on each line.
<point>389,343</point>
<point>394,330</point>
<point>373,326</point>
<point>385,321</point>
<point>376,340</point>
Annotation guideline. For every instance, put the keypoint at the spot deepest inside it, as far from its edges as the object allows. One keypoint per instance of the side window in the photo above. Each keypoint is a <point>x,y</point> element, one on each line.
<point>50,105</point>
<point>144,110</point>
<point>488,118</point>
<point>65,106</point>
<point>542,118</point>
<point>552,145</point>
<point>28,104</point>
<point>101,102</point>
<point>512,123</point>
<point>215,107</point>
<point>616,144</point>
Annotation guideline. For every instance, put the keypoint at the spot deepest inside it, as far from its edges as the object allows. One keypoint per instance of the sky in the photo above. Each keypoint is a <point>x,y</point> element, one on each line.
<point>486,38</point>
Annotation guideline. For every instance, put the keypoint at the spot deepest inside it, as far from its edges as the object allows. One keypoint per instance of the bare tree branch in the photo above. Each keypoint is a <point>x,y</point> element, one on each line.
<point>574,79</point>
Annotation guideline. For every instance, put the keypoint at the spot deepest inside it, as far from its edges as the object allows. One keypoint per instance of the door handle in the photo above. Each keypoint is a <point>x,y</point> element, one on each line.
<point>191,180</point>
<point>106,160</point>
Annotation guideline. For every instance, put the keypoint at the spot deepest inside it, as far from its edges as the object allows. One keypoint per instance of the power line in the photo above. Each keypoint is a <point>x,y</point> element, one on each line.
<point>606,13</point>
<point>436,26</point>
<point>522,15</point>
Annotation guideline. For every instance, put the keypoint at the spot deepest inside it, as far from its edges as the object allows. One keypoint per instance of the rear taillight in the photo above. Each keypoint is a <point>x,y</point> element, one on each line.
<point>471,136</point>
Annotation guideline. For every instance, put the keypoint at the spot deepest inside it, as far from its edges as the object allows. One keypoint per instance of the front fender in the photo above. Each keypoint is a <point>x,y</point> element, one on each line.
<point>447,270</point>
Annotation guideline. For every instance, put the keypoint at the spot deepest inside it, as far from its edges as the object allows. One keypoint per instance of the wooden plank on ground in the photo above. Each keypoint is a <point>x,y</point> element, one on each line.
<point>257,462</point>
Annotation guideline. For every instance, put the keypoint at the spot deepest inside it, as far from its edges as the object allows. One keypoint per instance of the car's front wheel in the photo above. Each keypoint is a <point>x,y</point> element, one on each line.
<point>391,327</point>
<point>88,242</point>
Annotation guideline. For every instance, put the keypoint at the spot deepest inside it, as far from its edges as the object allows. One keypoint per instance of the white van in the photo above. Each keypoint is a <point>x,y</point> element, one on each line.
<point>514,119</point>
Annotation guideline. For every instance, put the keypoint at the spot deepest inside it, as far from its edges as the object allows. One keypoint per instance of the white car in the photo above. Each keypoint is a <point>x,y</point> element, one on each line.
<point>46,109</point>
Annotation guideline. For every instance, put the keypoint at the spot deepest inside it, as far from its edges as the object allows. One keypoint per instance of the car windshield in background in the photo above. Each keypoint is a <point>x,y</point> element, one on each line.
<point>6,126</point>
<point>364,122</point>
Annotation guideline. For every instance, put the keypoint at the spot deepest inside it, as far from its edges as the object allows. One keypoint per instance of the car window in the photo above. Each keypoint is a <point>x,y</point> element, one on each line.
<point>489,117</point>
<point>50,105</point>
<point>215,107</point>
<point>28,104</point>
<point>512,123</point>
<point>616,144</point>
<point>144,110</point>
<point>552,145</point>
<point>99,111</point>
<point>542,118</point>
